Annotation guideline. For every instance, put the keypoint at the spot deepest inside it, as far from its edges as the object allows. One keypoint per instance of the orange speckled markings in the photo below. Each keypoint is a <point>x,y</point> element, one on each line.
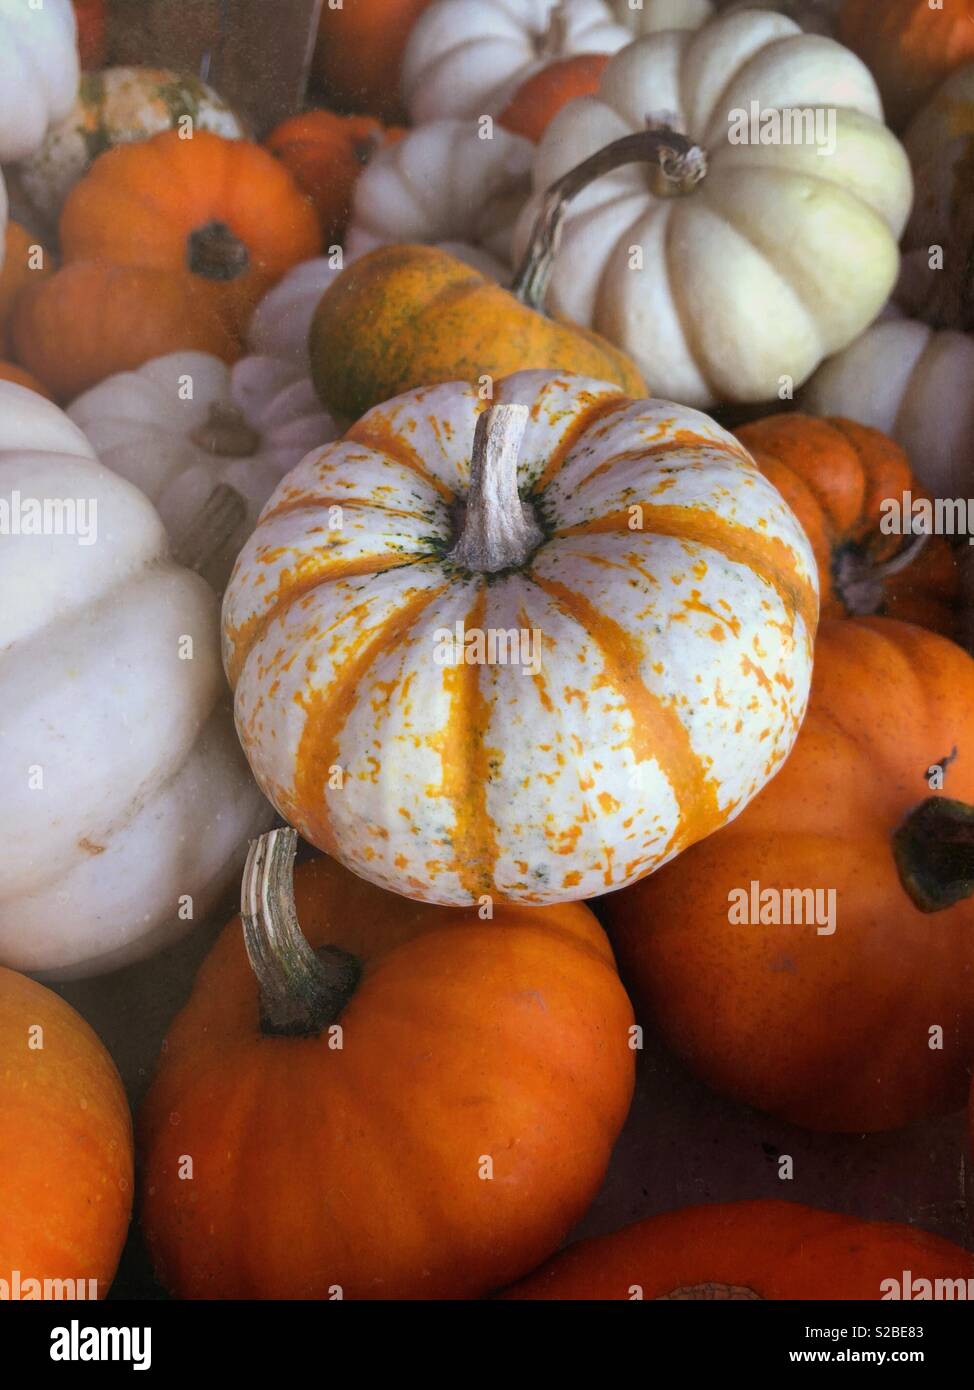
<point>656,602</point>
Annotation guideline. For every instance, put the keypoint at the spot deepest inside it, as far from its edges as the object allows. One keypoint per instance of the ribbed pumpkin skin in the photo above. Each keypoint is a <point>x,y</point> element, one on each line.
<point>409,316</point>
<point>830,1032</point>
<point>672,663</point>
<point>778,1250</point>
<point>835,475</point>
<point>65,1142</point>
<point>909,45</point>
<point>316,1166</point>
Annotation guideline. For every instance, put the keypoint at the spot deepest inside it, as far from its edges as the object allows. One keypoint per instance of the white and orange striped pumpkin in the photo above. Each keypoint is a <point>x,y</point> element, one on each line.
<point>661,604</point>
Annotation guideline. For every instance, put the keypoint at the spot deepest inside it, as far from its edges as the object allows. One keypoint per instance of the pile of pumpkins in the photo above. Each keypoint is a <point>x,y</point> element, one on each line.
<point>513,337</point>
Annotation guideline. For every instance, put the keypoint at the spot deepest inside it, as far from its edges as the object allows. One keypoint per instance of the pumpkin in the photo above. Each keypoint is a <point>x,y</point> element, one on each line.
<point>649,16</point>
<point>241,429</point>
<point>65,1148</point>
<point>9,371</point>
<point>940,143</point>
<point>25,262</point>
<point>38,72</point>
<point>831,1029</point>
<point>814,16</point>
<point>468,59</point>
<point>443,183</point>
<point>220,211</point>
<point>914,384</point>
<point>92,23</point>
<point>654,597</point>
<point>380,1148</point>
<point>535,104</point>
<point>407,316</point>
<point>911,46</point>
<point>753,1250</point>
<point>281,323</point>
<point>837,477</point>
<point>734,265</point>
<point>325,154</point>
<point>91,320</point>
<point>116,106</point>
<point>125,797</point>
<point>359,52</point>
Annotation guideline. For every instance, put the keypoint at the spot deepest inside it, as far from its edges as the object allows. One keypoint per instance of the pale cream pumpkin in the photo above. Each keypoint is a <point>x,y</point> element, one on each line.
<point>738,264</point>
<point>39,71</point>
<point>126,802</point>
<point>634,654</point>
<point>467,58</point>
<point>186,425</point>
<point>443,183</point>
<point>114,106</point>
<point>916,385</point>
<point>650,16</point>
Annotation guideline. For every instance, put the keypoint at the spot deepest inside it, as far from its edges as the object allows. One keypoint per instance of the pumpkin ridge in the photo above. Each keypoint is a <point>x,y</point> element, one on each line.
<point>376,434</point>
<point>771,560</point>
<point>673,277</point>
<point>310,502</point>
<point>658,733</point>
<point>600,409</point>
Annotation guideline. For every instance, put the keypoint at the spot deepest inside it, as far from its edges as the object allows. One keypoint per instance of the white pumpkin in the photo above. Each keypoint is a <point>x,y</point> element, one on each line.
<point>186,424</point>
<point>635,651</point>
<point>650,16</point>
<point>126,802</point>
<point>777,257</point>
<point>114,106</point>
<point>814,16</point>
<point>468,58</point>
<point>39,71</point>
<point>443,183</point>
<point>914,384</point>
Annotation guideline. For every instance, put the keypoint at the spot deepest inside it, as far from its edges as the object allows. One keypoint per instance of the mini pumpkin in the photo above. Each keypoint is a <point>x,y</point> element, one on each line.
<point>126,799</point>
<point>65,1148</point>
<point>326,154</point>
<point>39,72</point>
<point>25,262</point>
<point>638,655</point>
<point>381,1150</point>
<point>535,104</point>
<point>734,263</point>
<point>468,59</point>
<point>281,323</point>
<point>838,477</point>
<point>910,45</point>
<point>92,25</point>
<point>186,424</point>
<point>115,106</point>
<point>916,385</point>
<point>358,54</point>
<point>858,1016</point>
<point>755,1250</point>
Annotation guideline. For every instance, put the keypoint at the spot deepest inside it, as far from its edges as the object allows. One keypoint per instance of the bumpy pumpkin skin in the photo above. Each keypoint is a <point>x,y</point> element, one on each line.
<point>409,316</point>
<point>835,475</point>
<point>316,1166</point>
<point>909,45</point>
<point>771,1250</point>
<point>830,1032</point>
<point>671,668</point>
<point>65,1142</point>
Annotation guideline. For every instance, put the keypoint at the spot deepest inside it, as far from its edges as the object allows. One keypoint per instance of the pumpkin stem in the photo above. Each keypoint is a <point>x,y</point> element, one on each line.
<point>678,166</point>
<point>498,533</point>
<point>302,991</point>
<point>219,520</point>
<point>859,582</point>
<point>216,253</point>
<point>934,853</point>
<point>553,43</point>
<point>226,434</point>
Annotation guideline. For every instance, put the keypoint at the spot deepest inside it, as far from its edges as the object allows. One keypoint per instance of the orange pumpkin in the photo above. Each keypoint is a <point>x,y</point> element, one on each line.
<point>325,154</point>
<point>92,320</point>
<point>65,1144</point>
<point>754,1250</point>
<point>862,1019</point>
<point>217,211</point>
<point>535,105</point>
<point>910,45</point>
<point>359,53</point>
<point>835,475</point>
<point>22,266</point>
<point>421,1106</point>
<point>92,25</point>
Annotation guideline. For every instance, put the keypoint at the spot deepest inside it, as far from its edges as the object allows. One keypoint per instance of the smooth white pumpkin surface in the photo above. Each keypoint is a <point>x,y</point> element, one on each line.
<point>672,666</point>
<point>777,259</point>
<point>39,71</point>
<point>123,785</point>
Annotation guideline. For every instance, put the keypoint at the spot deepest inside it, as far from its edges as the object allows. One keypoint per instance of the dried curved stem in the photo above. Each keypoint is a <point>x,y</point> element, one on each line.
<point>498,533</point>
<point>220,519</point>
